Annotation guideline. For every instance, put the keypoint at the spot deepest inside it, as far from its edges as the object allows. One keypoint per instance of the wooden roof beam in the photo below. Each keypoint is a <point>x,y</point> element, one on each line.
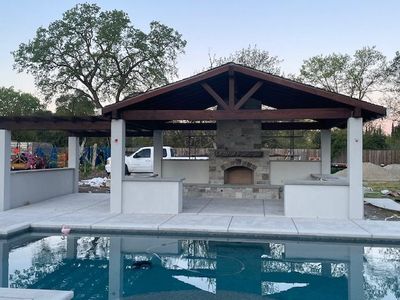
<point>216,97</point>
<point>54,125</point>
<point>250,93</point>
<point>264,125</point>
<point>203,115</point>
<point>231,90</point>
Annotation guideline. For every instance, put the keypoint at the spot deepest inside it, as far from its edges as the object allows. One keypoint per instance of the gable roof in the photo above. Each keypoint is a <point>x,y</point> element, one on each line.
<point>276,92</point>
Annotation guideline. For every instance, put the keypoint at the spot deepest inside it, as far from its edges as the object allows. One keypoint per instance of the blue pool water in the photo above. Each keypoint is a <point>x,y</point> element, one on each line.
<point>149,267</point>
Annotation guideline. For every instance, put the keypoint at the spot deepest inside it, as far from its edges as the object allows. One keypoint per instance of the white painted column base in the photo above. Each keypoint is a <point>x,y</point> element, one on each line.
<point>115,270</point>
<point>4,250</point>
<point>355,167</point>
<point>325,151</point>
<point>117,164</point>
<point>73,159</point>
<point>5,170</point>
<point>158,152</point>
<point>356,278</point>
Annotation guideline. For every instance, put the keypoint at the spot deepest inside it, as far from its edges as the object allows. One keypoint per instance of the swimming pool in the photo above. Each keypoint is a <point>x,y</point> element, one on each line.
<point>151,267</point>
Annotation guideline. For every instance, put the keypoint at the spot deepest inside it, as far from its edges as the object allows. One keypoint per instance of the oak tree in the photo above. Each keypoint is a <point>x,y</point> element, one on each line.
<point>252,57</point>
<point>357,76</point>
<point>99,54</point>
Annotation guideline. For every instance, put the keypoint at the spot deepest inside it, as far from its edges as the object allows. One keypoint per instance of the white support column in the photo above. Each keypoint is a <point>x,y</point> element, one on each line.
<point>73,159</point>
<point>72,245</point>
<point>5,169</point>
<point>355,167</point>
<point>158,152</point>
<point>115,270</point>
<point>117,164</point>
<point>356,270</point>
<point>4,250</point>
<point>325,151</point>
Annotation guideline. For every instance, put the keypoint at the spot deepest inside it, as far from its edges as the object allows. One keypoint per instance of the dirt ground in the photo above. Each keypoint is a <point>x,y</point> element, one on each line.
<point>375,213</point>
<point>91,189</point>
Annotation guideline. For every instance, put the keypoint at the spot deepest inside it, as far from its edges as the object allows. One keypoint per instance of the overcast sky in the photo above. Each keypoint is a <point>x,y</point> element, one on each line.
<point>292,30</point>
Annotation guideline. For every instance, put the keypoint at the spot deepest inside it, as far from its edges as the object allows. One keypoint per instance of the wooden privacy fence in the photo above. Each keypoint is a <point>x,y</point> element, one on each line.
<point>378,157</point>
<point>385,157</point>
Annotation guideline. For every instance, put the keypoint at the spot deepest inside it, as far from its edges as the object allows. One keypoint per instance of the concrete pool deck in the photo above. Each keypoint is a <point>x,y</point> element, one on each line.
<point>30,294</point>
<point>90,213</point>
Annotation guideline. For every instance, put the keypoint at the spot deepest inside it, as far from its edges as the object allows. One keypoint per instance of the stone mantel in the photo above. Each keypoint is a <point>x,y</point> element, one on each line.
<point>234,153</point>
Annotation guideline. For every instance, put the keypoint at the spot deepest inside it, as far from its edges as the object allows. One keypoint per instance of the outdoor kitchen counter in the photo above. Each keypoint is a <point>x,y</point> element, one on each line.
<point>146,195</point>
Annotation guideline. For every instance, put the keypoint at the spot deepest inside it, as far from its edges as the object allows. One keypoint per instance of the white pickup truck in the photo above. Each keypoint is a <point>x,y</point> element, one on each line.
<point>142,160</point>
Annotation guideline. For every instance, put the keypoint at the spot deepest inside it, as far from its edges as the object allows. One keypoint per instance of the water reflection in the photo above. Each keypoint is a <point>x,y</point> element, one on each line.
<point>146,267</point>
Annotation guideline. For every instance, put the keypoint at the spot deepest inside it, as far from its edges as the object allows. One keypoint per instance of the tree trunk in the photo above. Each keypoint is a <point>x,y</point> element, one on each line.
<point>94,156</point>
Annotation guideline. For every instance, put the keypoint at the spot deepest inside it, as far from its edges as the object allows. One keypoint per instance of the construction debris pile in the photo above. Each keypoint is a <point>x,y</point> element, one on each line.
<point>375,173</point>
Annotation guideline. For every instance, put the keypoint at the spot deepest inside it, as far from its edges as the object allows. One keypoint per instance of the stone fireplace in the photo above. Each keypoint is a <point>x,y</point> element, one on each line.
<point>239,166</point>
<point>239,154</point>
<point>239,175</point>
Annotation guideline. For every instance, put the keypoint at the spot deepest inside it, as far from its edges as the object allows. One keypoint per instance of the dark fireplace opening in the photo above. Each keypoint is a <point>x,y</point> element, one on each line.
<point>238,175</point>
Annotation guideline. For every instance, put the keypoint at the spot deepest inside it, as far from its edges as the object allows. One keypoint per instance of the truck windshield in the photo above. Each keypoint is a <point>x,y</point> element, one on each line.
<point>173,152</point>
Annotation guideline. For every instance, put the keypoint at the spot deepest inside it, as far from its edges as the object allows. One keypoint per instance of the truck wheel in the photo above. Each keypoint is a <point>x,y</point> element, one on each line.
<point>127,170</point>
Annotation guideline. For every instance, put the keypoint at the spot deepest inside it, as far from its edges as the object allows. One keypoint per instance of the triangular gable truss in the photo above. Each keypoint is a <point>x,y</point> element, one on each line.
<point>231,108</point>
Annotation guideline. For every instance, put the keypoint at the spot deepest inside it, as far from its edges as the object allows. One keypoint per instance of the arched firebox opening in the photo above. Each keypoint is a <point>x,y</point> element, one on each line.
<point>239,175</point>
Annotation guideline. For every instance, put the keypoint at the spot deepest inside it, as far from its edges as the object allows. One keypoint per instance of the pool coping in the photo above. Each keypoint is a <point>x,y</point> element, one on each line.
<point>18,229</point>
<point>90,214</point>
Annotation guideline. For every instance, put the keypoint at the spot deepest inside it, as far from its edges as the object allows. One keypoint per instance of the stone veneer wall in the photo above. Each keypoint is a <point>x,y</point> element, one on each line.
<point>239,144</point>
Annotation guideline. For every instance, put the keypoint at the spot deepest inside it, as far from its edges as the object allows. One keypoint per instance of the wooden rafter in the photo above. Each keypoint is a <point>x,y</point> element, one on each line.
<point>216,97</point>
<point>200,115</point>
<point>367,110</point>
<point>250,93</point>
<point>231,90</point>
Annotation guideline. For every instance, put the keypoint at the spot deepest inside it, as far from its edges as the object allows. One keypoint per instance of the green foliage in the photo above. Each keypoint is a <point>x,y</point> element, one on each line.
<point>74,105</point>
<point>392,102</point>
<point>302,139</point>
<point>252,57</point>
<point>16,103</point>
<point>374,139</point>
<point>99,54</point>
<point>190,139</point>
<point>56,138</point>
<point>339,142</point>
<point>395,71</point>
<point>328,71</point>
<point>393,140</point>
<point>356,76</point>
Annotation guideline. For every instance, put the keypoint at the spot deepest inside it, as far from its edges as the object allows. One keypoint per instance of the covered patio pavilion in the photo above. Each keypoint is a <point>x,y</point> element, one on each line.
<point>238,103</point>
